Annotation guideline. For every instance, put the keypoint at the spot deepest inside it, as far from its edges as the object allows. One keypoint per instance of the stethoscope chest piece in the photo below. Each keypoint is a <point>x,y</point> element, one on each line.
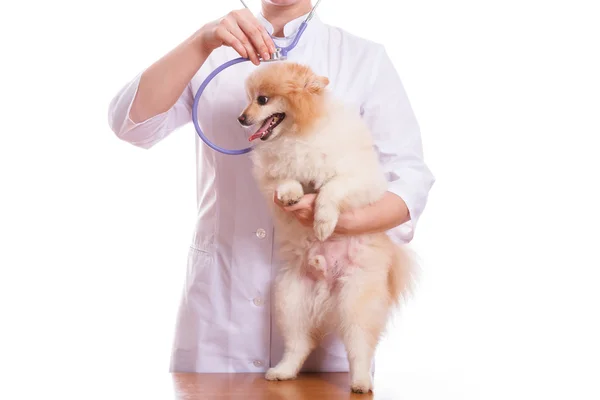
<point>279,55</point>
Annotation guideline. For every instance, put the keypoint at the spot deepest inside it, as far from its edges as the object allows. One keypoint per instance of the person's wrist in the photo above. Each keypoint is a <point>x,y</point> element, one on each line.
<point>200,43</point>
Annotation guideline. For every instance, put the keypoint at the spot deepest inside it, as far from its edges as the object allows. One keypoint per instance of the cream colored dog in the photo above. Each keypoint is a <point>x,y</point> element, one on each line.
<point>308,142</point>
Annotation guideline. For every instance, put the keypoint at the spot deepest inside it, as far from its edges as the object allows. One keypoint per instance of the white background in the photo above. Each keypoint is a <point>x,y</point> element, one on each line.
<point>94,232</point>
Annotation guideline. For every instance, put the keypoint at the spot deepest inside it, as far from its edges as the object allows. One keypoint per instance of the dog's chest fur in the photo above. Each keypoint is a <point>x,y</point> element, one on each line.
<point>305,162</point>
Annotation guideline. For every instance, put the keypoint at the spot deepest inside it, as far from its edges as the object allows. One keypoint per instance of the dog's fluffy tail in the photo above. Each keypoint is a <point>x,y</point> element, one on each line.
<point>402,274</point>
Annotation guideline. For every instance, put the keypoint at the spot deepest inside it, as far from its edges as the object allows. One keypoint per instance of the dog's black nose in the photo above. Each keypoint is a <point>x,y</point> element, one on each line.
<point>243,119</point>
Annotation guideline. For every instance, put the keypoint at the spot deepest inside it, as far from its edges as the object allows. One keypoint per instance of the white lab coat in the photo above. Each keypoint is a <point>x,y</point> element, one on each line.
<point>224,322</point>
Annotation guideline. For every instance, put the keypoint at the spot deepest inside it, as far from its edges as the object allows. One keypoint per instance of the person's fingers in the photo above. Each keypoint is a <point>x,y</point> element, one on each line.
<point>306,202</point>
<point>230,40</point>
<point>305,217</point>
<point>303,214</point>
<point>253,31</point>
<point>267,38</point>
<point>276,200</point>
<point>233,27</point>
<point>301,205</point>
<point>245,14</point>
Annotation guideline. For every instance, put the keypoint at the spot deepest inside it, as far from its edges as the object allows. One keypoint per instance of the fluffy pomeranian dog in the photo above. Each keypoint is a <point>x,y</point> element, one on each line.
<point>308,142</point>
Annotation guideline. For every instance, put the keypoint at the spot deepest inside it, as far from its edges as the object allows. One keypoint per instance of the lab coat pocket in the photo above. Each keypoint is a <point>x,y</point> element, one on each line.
<point>198,280</point>
<point>199,275</point>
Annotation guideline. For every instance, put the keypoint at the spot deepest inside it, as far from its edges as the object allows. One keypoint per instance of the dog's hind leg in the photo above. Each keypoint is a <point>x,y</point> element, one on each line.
<point>363,313</point>
<point>296,324</point>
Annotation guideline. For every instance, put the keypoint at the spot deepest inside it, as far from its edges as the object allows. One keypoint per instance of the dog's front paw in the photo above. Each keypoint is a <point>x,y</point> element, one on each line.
<point>324,229</point>
<point>326,219</point>
<point>289,192</point>
<point>279,374</point>
<point>361,385</point>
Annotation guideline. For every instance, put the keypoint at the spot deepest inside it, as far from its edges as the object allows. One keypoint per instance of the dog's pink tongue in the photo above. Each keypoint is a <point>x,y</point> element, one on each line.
<point>261,130</point>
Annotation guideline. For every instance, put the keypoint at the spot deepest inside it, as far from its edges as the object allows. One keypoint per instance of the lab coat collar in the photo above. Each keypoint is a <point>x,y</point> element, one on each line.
<point>290,29</point>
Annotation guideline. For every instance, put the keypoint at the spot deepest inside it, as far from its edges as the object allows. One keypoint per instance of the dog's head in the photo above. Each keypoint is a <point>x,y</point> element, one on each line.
<point>283,97</point>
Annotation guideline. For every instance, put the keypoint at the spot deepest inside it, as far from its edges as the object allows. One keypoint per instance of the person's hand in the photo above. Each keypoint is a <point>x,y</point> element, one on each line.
<point>304,210</point>
<point>241,31</point>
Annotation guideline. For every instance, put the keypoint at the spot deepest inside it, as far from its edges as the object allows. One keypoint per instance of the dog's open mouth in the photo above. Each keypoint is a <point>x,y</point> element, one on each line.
<point>267,127</point>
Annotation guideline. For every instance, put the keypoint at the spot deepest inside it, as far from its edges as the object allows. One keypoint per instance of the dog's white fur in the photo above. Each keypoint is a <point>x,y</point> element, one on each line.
<point>328,282</point>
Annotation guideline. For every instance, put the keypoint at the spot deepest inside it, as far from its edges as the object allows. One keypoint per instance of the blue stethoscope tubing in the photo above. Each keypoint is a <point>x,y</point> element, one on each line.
<point>280,54</point>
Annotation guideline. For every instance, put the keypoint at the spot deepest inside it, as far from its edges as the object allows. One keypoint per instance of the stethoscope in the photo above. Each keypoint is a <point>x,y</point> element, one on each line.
<point>280,54</point>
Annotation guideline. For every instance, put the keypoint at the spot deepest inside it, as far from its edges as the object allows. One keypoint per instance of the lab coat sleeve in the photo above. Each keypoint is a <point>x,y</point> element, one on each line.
<point>397,138</point>
<point>147,133</point>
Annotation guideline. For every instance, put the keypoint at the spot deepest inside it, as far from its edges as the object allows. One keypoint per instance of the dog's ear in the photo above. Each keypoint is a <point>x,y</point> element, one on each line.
<point>316,84</point>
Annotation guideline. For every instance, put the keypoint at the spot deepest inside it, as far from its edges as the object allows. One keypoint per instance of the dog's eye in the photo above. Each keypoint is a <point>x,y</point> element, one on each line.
<point>262,100</point>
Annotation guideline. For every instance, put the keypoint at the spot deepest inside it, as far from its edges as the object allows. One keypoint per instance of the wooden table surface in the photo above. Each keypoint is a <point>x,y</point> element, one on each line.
<point>329,386</point>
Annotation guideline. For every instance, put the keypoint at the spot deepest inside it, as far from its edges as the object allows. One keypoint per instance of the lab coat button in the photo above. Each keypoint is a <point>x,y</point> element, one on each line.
<point>258,363</point>
<point>261,233</point>
<point>258,302</point>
